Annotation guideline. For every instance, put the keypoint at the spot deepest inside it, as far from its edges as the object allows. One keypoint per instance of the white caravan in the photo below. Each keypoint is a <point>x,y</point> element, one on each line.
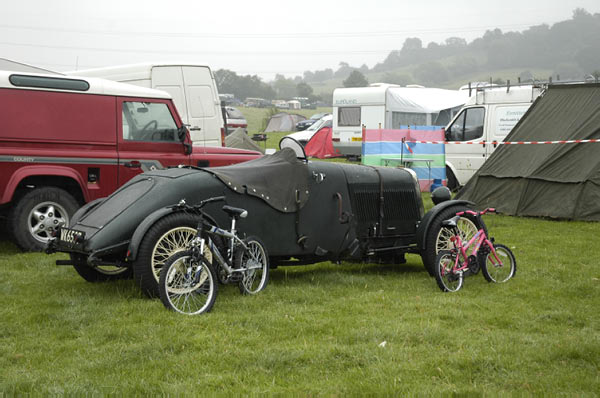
<point>389,106</point>
<point>192,87</point>
<point>489,115</point>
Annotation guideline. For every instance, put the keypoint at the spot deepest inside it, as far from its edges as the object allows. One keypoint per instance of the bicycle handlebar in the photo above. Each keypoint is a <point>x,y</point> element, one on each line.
<point>479,213</point>
<point>210,200</point>
<point>200,205</point>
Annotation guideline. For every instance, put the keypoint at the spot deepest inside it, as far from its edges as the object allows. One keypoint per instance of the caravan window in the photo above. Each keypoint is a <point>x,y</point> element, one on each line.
<point>468,126</point>
<point>349,116</point>
<point>408,119</point>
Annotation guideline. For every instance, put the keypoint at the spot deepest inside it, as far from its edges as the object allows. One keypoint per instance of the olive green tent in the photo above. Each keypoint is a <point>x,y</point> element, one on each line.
<point>239,139</point>
<point>547,180</point>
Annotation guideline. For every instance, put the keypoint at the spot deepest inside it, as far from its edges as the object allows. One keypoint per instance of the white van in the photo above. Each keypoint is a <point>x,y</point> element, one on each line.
<point>489,115</point>
<point>192,87</point>
<point>388,106</point>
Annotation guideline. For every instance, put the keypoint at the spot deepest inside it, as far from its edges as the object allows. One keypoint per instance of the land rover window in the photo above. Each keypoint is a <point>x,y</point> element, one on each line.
<point>148,121</point>
<point>468,126</point>
<point>349,116</point>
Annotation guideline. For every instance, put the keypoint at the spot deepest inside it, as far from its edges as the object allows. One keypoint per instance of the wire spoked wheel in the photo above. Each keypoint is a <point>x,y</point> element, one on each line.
<point>447,279</point>
<point>498,271</point>
<point>171,242</point>
<point>255,263</point>
<point>466,229</point>
<point>187,285</point>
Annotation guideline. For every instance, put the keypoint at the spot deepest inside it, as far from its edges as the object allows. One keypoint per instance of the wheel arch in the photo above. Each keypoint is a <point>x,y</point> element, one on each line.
<point>144,226</point>
<point>425,223</point>
<point>55,176</point>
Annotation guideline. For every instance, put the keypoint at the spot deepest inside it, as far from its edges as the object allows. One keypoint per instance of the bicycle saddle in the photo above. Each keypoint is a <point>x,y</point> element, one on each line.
<point>451,222</point>
<point>235,211</point>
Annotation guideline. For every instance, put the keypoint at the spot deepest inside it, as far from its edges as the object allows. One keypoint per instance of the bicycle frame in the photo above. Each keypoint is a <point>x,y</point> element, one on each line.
<point>479,238</point>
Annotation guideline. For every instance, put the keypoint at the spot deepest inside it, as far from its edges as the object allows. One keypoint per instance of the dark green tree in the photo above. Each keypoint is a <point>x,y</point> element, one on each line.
<point>356,79</point>
<point>304,90</point>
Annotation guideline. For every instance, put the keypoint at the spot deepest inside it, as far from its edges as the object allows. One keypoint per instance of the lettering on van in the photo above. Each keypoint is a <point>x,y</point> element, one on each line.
<point>23,159</point>
<point>507,118</point>
<point>346,102</point>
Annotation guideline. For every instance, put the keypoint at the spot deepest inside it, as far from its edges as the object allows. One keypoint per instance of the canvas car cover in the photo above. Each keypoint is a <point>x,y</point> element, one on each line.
<point>552,180</point>
<point>278,179</point>
<point>240,140</point>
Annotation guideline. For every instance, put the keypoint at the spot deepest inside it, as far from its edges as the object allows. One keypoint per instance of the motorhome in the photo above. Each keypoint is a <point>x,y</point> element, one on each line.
<point>489,115</point>
<point>388,107</point>
<point>192,87</point>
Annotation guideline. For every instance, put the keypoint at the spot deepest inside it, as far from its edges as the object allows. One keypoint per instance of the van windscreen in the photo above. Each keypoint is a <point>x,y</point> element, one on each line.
<point>49,82</point>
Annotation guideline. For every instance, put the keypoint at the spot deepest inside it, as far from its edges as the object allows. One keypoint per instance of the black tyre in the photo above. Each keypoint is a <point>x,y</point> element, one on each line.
<point>166,237</point>
<point>452,183</point>
<point>102,273</point>
<point>446,278</point>
<point>498,272</point>
<point>187,285</point>
<point>256,261</point>
<point>38,214</point>
<point>438,238</point>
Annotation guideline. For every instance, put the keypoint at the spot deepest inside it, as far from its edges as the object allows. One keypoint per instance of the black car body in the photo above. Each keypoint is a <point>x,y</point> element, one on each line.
<point>305,212</point>
<point>304,124</point>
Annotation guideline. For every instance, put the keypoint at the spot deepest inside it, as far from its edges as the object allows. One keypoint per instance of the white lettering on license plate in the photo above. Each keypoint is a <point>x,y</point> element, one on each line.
<point>69,235</point>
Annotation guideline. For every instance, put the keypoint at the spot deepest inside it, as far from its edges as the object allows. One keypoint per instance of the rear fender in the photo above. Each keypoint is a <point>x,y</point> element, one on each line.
<point>144,226</point>
<point>46,170</point>
<point>82,211</point>
<point>425,223</point>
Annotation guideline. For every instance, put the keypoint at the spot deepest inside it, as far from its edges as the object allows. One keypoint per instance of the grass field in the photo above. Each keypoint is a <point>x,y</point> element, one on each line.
<point>324,329</point>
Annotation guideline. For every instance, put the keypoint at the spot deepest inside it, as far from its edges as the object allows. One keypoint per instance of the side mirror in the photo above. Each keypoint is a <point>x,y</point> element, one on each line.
<point>187,148</point>
<point>181,133</point>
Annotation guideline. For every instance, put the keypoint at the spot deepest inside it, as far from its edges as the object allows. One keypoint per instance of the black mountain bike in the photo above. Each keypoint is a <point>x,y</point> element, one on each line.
<point>188,280</point>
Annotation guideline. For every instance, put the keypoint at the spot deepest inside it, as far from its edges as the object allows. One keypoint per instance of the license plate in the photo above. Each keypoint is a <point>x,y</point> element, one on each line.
<point>356,138</point>
<point>70,237</point>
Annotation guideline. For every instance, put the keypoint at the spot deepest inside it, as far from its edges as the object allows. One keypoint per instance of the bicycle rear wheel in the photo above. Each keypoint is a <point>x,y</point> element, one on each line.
<point>447,279</point>
<point>498,272</point>
<point>256,262</point>
<point>187,284</point>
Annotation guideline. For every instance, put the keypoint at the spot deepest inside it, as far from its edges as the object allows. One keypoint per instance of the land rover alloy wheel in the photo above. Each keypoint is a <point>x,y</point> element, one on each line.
<point>38,214</point>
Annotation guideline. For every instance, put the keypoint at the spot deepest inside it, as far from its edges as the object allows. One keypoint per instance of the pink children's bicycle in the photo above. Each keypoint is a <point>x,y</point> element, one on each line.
<point>497,262</point>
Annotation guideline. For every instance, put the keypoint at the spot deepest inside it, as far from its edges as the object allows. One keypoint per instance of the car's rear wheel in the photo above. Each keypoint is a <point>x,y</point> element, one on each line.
<point>166,237</point>
<point>38,214</point>
<point>102,273</point>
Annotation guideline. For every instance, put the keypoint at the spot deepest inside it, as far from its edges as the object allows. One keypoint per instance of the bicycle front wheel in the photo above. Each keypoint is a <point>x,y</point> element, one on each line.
<point>446,277</point>
<point>187,284</point>
<point>502,270</point>
<point>255,262</point>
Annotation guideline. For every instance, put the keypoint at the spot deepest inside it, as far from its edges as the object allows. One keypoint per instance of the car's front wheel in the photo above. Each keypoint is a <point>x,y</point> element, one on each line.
<point>438,237</point>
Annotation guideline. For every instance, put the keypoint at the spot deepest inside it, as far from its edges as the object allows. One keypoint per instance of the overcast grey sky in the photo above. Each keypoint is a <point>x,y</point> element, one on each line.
<point>260,37</point>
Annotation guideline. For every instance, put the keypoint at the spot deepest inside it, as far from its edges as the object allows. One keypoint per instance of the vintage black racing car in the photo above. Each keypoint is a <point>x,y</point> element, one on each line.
<point>305,212</point>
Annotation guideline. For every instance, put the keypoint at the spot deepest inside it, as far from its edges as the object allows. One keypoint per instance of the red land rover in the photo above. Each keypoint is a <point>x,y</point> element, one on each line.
<point>67,141</point>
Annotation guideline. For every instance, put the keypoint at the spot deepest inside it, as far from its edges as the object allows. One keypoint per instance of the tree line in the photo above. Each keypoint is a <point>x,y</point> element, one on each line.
<point>570,49</point>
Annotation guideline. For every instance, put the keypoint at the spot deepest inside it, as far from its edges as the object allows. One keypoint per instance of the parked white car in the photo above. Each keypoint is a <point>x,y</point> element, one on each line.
<point>305,135</point>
